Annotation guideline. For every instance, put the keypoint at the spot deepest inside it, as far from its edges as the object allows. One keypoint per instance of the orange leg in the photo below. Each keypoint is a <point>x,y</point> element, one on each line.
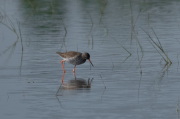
<point>62,65</point>
<point>74,75</point>
<point>74,69</point>
<point>63,77</point>
<point>74,72</point>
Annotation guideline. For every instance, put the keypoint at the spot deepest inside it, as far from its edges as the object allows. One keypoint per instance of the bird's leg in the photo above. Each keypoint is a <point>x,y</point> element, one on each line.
<point>74,72</point>
<point>63,77</point>
<point>74,75</point>
<point>74,69</point>
<point>62,65</point>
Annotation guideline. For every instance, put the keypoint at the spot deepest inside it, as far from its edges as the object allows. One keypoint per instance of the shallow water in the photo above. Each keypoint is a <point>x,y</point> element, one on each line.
<point>140,85</point>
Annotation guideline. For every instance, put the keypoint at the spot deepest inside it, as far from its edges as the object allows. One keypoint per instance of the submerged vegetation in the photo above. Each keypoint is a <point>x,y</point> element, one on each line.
<point>94,24</point>
<point>16,29</point>
<point>158,47</point>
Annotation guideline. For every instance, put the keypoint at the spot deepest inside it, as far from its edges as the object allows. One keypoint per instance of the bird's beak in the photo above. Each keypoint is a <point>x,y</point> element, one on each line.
<point>90,62</point>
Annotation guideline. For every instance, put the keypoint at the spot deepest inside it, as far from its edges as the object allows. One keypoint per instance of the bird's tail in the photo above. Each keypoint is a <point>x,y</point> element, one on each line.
<point>59,53</point>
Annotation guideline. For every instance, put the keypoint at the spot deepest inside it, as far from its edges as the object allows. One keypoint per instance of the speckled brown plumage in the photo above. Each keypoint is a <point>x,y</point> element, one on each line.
<point>75,58</point>
<point>69,54</point>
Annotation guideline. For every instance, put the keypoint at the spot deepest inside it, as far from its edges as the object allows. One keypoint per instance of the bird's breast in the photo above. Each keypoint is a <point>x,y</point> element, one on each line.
<point>75,60</point>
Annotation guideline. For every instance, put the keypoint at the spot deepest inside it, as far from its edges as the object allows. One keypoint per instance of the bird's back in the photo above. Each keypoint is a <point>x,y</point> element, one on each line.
<point>69,54</point>
<point>72,57</point>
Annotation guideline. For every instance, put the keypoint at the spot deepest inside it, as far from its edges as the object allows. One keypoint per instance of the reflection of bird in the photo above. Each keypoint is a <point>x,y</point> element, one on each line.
<point>75,58</point>
<point>78,83</point>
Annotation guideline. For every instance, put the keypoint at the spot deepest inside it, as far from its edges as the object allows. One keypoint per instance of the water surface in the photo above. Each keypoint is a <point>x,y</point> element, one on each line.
<point>130,77</point>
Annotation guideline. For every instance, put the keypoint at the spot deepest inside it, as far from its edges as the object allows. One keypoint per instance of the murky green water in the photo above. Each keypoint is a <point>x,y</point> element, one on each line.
<point>130,78</point>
